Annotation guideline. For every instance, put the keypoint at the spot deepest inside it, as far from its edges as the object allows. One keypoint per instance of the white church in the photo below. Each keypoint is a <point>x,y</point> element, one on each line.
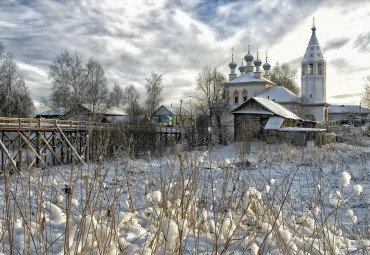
<point>253,82</point>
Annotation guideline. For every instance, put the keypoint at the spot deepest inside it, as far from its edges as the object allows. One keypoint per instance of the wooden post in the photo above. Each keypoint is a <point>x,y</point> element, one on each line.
<point>53,146</point>
<point>20,156</point>
<point>2,153</point>
<point>38,142</point>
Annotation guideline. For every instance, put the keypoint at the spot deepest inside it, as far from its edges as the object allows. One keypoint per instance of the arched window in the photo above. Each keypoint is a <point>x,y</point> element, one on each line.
<point>236,97</point>
<point>303,67</point>
<point>310,68</point>
<point>319,67</point>
<point>245,95</point>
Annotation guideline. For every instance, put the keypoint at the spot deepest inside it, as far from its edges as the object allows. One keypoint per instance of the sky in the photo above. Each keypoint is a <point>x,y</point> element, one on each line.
<point>132,38</point>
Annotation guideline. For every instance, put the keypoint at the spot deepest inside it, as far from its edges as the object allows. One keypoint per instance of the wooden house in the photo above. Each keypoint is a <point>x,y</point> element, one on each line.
<point>263,119</point>
<point>171,116</point>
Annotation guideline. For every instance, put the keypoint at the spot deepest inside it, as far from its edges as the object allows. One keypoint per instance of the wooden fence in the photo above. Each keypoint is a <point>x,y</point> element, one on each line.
<point>28,142</point>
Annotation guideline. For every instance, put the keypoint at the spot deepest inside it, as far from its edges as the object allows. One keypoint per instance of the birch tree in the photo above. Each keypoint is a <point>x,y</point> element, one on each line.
<point>14,98</point>
<point>154,89</point>
<point>96,89</point>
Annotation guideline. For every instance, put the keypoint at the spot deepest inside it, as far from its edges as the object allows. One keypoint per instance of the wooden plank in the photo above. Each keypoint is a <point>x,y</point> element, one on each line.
<point>70,145</point>
<point>33,149</point>
<point>51,150</point>
<point>9,157</point>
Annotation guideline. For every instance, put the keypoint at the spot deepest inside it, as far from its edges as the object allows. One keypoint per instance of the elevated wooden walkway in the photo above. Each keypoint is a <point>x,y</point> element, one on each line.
<point>28,142</point>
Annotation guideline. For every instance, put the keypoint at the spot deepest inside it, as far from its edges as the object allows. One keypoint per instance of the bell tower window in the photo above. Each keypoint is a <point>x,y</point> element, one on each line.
<point>310,68</point>
<point>319,67</point>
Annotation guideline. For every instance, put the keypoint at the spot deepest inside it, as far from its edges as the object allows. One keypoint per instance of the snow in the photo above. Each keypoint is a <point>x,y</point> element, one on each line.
<point>299,129</point>
<point>357,189</point>
<point>205,201</point>
<point>248,77</point>
<point>274,123</point>
<point>280,94</point>
<point>346,178</point>
<point>270,106</point>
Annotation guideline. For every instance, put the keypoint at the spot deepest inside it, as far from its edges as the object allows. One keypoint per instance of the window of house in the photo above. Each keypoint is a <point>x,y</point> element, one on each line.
<point>245,95</point>
<point>303,66</point>
<point>310,68</point>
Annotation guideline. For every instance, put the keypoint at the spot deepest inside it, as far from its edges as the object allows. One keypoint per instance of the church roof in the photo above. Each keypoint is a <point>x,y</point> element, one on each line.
<point>280,94</point>
<point>313,40</point>
<point>354,109</point>
<point>313,52</point>
<point>248,78</point>
<point>275,108</point>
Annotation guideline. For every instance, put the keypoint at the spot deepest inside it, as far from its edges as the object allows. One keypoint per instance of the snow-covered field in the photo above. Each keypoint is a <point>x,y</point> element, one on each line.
<point>238,199</point>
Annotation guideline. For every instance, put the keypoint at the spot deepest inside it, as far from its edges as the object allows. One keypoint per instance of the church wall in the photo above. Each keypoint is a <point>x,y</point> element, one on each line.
<point>253,90</point>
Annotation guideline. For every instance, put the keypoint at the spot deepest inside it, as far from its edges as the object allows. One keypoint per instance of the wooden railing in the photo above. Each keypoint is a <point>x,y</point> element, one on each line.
<point>34,123</point>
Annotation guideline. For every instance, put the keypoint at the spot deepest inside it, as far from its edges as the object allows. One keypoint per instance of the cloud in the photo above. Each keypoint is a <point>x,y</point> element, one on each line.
<point>343,65</point>
<point>336,44</point>
<point>362,43</point>
<point>131,38</point>
<point>343,96</point>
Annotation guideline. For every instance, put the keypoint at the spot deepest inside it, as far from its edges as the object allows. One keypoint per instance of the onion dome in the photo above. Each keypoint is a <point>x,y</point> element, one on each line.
<point>258,61</point>
<point>232,64</point>
<point>248,57</point>
<point>242,67</point>
<point>266,66</point>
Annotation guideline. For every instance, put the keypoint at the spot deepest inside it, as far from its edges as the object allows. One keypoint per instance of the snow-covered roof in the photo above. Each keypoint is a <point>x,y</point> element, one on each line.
<point>275,108</point>
<point>300,129</point>
<point>248,78</point>
<point>348,109</point>
<point>117,119</point>
<point>253,111</point>
<point>52,112</point>
<point>274,123</point>
<point>115,111</point>
<point>280,94</point>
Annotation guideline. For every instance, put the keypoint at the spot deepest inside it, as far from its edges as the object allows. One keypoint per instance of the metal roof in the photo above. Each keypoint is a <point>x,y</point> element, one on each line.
<point>280,94</point>
<point>275,108</point>
<point>347,109</point>
<point>274,123</point>
<point>248,78</point>
<point>300,129</point>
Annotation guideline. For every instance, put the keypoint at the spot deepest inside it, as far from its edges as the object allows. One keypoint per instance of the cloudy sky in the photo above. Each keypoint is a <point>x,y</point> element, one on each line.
<point>131,38</point>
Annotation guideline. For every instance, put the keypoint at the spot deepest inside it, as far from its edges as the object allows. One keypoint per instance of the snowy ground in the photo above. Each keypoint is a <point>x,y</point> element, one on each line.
<point>238,199</point>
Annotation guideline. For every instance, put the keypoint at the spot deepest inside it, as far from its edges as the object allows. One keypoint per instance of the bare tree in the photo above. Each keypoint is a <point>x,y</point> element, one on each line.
<point>365,100</point>
<point>209,83</point>
<point>154,90</point>
<point>117,96</point>
<point>14,98</point>
<point>133,108</point>
<point>285,75</point>
<point>96,89</point>
<point>68,75</point>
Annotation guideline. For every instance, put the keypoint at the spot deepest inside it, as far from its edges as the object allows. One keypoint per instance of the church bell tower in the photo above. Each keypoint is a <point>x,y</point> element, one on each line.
<point>313,78</point>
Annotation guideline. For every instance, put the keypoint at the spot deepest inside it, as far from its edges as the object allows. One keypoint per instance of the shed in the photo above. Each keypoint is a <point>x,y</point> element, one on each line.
<point>255,115</point>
